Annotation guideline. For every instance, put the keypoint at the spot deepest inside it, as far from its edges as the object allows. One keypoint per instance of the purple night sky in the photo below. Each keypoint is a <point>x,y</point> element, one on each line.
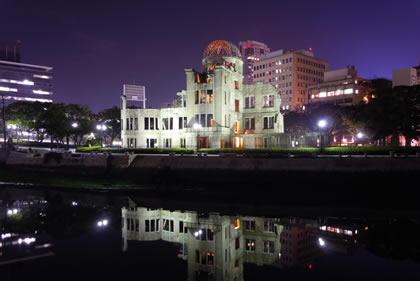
<point>96,46</point>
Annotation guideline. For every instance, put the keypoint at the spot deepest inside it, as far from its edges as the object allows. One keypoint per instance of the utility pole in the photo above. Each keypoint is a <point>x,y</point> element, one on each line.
<point>4,122</point>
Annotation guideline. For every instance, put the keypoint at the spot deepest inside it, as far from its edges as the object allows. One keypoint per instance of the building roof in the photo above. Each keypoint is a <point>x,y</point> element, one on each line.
<point>222,48</point>
<point>40,67</point>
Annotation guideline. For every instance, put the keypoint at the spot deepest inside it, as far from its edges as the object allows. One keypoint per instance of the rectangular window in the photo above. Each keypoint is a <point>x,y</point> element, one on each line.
<point>165,123</point>
<point>203,120</point>
<point>136,123</point>
<point>131,123</point>
<point>209,96</point>
<point>237,223</point>
<point>196,97</point>
<point>146,123</point>
<point>249,225</point>
<point>209,120</point>
<point>180,123</point>
<point>268,247</point>
<point>250,245</point>
<point>137,225</point>
<point>225,98</point>
<point>127,123</point>
<point>181,226</point>
<point>171,123</point>
<point>268,226</point>
<point>152,123</point>
<point>157,123</point>
<point>157,224</point>
<point>202,97</point>
<point>152,225</point>
<point>210,234</point>
<point>210,258</point>
<point>236,105</point>
<point>146,225</point>
<point>172,226</point>
<point>250,102</point>
<point>269,101</point>
<point>237,243</point>
<point>197,256</point>
<point>269,122</point>
<point>185,122</point>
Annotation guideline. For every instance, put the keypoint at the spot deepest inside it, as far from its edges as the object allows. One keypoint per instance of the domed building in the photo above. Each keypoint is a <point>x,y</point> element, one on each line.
<point>215,110</point>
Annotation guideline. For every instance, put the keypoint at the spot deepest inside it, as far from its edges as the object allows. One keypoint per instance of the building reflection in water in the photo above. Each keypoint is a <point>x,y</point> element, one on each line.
<point>216,246</point>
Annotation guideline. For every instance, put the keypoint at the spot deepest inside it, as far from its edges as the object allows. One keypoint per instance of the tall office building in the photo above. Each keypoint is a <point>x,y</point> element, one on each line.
<point>251,51</point>
<point>10,50</point>
<point>26,82</point>
<point>409,76</point>
<point>291,72</point>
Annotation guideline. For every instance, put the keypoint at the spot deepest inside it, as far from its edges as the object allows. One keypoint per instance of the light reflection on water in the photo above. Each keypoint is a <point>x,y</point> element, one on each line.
<point>66,228</point>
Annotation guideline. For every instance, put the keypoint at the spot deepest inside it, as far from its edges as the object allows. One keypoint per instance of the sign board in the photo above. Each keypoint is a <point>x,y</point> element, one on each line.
<point>135,93</point>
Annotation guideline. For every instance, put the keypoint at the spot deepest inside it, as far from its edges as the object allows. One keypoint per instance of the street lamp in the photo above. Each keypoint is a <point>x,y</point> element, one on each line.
<point>101,128</point>
<point>321,125</point>
<point>74,125</point>
<point>197,127</point>
<point>360,135</point>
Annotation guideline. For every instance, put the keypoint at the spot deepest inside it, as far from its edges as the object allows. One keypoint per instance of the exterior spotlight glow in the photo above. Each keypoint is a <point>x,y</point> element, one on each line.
<point>9,212</point>
<point>360,135</point>
<point>99,223</point>
<point>200,232</point>
<point>322,123</point>
<point>98,127</point>
<point>9,126</point>
<point>105,222</point>
<point>74,125</point>
<point>103,128</point>
<point>74,203</point>
<point>321,242</point>
<point>196,234</point>
<point>197,126</point>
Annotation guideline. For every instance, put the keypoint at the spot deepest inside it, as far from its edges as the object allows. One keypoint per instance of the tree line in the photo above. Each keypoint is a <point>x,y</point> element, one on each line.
<point>62,122</point>
<point>388,112</point>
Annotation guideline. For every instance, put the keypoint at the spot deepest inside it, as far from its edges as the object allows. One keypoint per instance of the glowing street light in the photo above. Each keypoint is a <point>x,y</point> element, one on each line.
<point>360,135</point>
<point>102,223</point>
<point>321,242</point>
<point>74,125</point>
<point>321,124</point>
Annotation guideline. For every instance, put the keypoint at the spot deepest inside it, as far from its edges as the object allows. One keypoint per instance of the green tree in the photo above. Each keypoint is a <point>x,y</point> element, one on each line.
<point>111,118</point>
<point>82,117</point>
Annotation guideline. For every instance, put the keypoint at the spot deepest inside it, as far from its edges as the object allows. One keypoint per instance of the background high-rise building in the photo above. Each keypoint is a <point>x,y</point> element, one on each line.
<point>251,51</point>
<point>340,87</point>
<point>10,50</point>
<point>291,72</point>
<point>26,82</point>
<point>409,76</point>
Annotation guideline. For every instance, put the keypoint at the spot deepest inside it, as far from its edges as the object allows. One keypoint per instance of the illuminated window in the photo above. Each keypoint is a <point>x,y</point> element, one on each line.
<point>236,105</point>
<point>237,127</point>
<point>348,91</point>
<point>210,120</point>
<point>209,96</point>
<point>236,85</point>
<point>222,145</point>
<point>237,223</point>
<point>250,245</point>
<point>210,258</point>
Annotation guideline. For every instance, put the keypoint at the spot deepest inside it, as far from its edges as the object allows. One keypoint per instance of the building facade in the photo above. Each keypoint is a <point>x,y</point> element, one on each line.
<point>215,110</point>
<point>340,87</point>
<point>409,76</point>
<point>251,51</point>
<point>291,73</point>
<point>25,82</point>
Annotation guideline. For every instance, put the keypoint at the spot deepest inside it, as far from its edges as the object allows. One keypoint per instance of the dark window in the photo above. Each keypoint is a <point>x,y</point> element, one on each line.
<point>171,123</point>
<point>146,123</point>
<point>180,123</point>
<point>237,245</point>
<point>172,226</point>
<point>181,226</point>
<point>152,123</point>
<point>209,120</point>
<point>146,225</point>
<point>152,225</point>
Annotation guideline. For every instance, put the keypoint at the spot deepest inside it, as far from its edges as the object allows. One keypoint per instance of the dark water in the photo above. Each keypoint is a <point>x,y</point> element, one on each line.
<point>49,235</point>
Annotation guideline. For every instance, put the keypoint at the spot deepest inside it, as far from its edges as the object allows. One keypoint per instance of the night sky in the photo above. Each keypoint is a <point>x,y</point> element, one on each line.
<point>96,46</point>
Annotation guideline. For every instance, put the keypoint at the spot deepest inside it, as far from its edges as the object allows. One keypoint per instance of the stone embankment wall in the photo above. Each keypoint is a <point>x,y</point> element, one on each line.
<point>133,162</point>
<point>279,164</point>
